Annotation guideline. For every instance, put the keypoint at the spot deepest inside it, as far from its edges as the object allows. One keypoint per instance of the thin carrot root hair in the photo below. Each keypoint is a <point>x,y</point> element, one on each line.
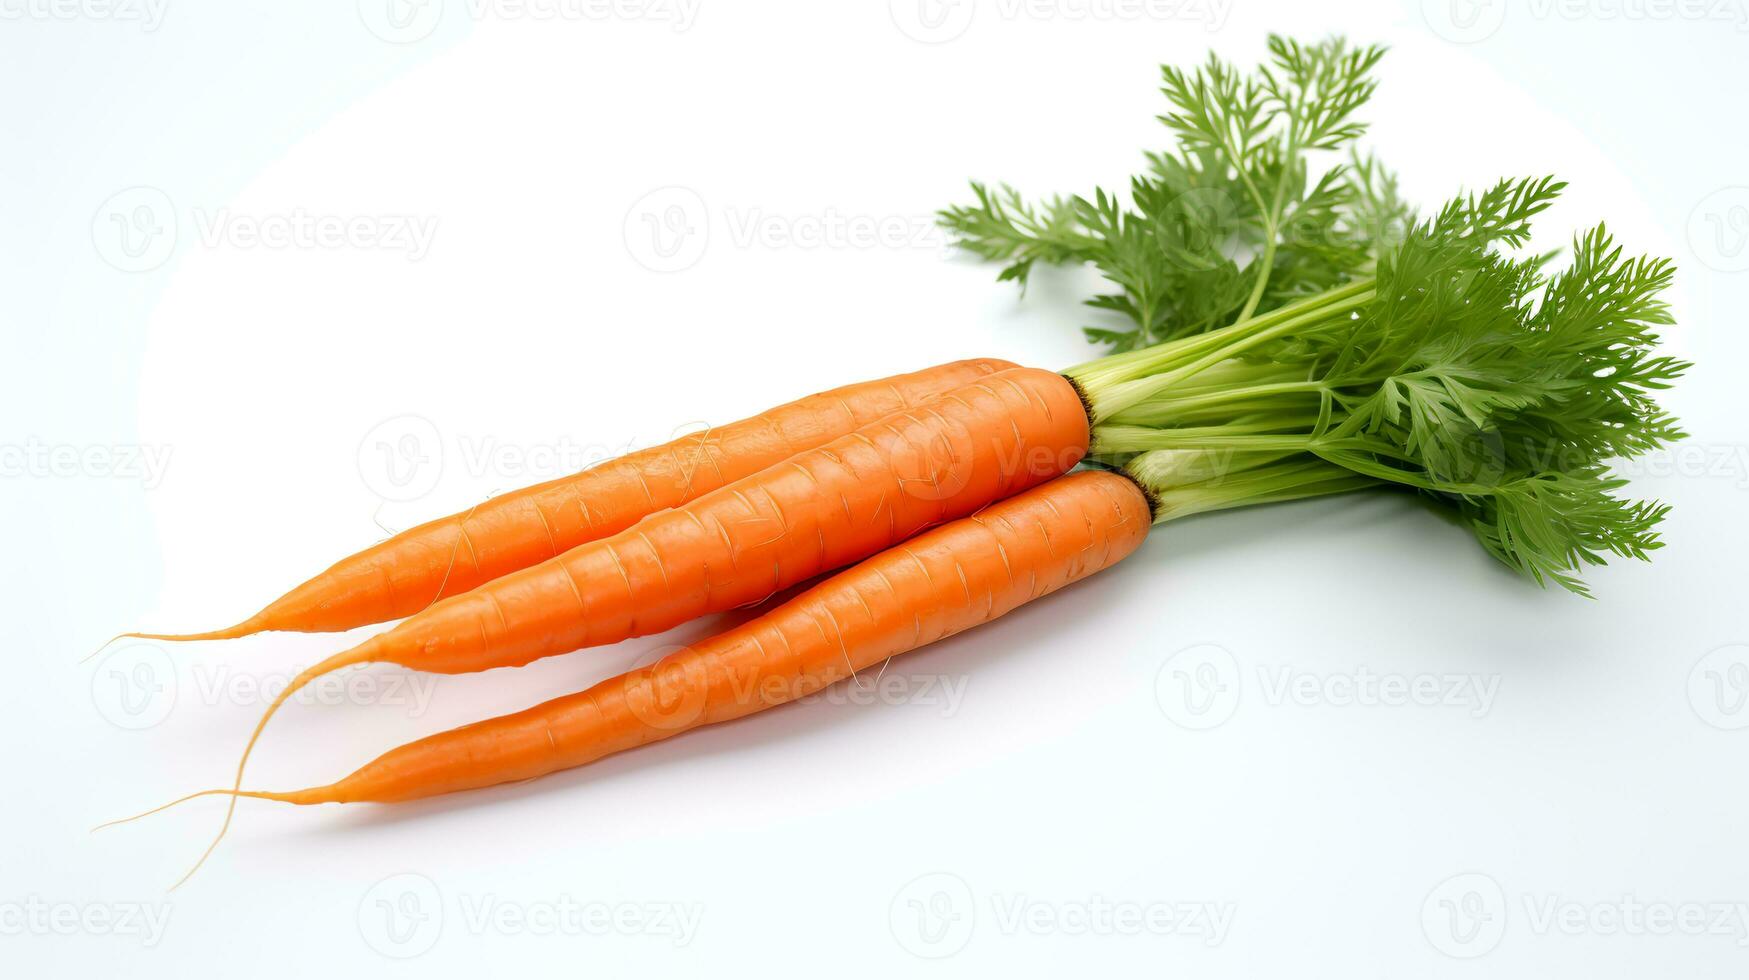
<point>357,655</point>
<point>160,808</point>
<point>247,627</point>
<point>233,793</point>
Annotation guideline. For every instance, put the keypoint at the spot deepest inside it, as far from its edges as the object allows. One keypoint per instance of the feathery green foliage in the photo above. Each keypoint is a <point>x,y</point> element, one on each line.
<point>1228,223</point>
<point>1436,359</point>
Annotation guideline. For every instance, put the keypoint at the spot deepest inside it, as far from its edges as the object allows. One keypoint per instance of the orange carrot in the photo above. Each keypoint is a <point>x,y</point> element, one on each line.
<point>941,582</point>
<point>454,554</point>
<point>816,511</point>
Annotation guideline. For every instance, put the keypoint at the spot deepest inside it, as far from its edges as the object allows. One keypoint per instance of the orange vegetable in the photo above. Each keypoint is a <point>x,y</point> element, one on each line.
<point>737,545</point>
<point>943,581</point>
<point>454,554</point>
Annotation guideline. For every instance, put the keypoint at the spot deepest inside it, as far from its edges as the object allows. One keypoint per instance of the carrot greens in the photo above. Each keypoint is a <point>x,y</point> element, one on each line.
<point>1435,357</point>
<point>1230,222</point>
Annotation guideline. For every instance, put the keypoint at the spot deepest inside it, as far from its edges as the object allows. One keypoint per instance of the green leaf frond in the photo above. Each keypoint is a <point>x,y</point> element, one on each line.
<point>1233,219</point>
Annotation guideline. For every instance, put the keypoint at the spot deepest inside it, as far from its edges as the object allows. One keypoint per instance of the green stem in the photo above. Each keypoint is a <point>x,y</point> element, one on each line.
<point>1139,439</point>
<point>1271,232</point>
<point>1292,479</point>
<point>1115,369</point>
<point>1109,402</point>
<point>1221,396</point>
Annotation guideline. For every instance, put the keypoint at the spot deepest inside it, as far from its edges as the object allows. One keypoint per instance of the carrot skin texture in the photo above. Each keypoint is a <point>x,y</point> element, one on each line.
<point>452,555</point>
<point>815,511</point>
<point>942,582</point>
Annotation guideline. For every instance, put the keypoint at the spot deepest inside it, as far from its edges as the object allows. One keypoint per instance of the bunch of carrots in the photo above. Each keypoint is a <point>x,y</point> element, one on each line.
<point>1263,364</point>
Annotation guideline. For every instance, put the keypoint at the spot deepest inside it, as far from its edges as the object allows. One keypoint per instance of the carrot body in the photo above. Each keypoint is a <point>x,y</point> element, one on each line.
<point>454,554</point>
<point>813,512</point>
<point>941,582</point>
<point>737,545</point>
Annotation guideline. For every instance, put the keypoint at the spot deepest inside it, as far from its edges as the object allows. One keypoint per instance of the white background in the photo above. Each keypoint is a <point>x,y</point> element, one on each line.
<point>1585,772</point>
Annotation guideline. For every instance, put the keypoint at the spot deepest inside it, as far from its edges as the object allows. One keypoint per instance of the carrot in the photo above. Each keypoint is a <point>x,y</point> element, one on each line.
<point>451,555</point>
<point>939,583</point>
<point>737,545</point>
